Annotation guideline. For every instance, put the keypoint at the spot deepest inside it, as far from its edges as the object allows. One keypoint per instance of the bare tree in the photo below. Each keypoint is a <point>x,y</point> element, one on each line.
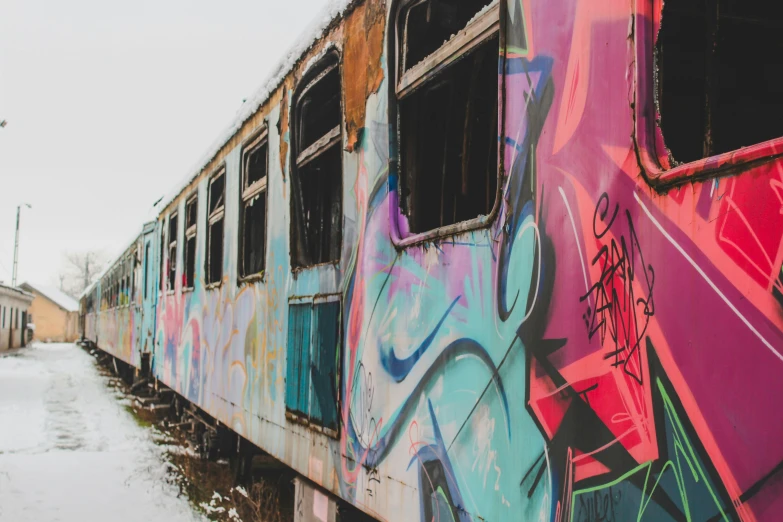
<point>80,269</point>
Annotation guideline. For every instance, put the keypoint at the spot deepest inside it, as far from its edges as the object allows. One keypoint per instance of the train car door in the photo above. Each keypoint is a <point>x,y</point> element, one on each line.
<point>149,294</point>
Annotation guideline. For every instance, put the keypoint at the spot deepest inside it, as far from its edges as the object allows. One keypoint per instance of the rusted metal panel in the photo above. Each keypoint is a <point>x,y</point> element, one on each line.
<point>363,49</point>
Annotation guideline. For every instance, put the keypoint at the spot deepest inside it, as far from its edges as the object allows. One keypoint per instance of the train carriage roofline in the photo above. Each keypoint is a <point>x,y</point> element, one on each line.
<point>122,252</point>
<point>329,17</point>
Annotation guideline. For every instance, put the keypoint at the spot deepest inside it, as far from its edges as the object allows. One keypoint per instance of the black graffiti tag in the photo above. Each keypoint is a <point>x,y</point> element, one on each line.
<point>598,506</point>
<point>616,311</point>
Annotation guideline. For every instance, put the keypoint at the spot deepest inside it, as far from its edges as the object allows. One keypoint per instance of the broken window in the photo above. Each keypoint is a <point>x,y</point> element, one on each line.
<point>317,185</point>
<point>720,75</point>
<point>447,109</point>
<point>162,259</point>
<point>312,378</point>
<point>252,245</point>
<point>191,219</point>
<point>172,266</point>
<point>217,200</point>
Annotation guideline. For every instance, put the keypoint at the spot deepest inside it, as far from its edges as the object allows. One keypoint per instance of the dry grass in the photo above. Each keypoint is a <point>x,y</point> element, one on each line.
<point>209,486</point>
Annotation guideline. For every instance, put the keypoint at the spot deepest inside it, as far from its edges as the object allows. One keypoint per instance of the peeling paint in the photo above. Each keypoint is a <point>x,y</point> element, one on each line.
<point>362,64</point>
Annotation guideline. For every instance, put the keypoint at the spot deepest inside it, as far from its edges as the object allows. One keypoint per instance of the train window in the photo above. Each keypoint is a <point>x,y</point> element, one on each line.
<point>447,110</point>
<point>216,205</point>
<point>312,378</point>
<point>123,292</point>
<point>2,312</point>
<point>191,219</point>
<point>317,184</point>
<point>172,266</point>
<point>252,224</point>
<point>707,101</point>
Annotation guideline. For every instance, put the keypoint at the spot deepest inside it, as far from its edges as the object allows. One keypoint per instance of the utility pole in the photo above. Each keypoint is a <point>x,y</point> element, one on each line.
<point>16,243</point>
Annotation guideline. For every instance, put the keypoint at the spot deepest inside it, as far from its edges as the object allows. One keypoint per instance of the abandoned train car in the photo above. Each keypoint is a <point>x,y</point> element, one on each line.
<point>516,261</point>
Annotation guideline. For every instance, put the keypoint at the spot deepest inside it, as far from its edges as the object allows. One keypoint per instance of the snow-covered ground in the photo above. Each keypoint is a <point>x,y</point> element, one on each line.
<point>69,450</point>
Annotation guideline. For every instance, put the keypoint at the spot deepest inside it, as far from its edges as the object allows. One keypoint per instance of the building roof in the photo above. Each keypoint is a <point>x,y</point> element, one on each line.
<point>61,299</point>
<point>10,290</point>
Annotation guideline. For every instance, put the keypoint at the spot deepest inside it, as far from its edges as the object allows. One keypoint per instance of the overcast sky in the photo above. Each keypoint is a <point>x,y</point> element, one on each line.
<point>109,104</point>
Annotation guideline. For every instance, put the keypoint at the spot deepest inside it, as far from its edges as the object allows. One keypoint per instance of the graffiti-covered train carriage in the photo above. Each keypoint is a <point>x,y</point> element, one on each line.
<point>507,261</point>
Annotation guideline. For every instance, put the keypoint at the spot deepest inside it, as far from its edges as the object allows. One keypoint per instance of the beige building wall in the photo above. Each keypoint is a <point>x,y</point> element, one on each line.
<point>52,323</point>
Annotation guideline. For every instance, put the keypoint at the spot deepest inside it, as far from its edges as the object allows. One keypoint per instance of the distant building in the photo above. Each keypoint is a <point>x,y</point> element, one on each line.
<point>55,314</point>
<point>14,314</point>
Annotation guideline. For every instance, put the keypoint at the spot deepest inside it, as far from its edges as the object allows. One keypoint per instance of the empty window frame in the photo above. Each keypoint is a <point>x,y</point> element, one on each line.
<point>253,207</point>
<point>215,227</point>
<point>317,181</point>
<point>720,75</point>
<point>172,265</point>
<point>191,220</point>
<point>313,353</point>
<point>447,90</point>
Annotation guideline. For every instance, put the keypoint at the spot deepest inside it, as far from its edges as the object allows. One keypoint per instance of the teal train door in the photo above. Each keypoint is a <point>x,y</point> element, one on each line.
<point>149,294</point>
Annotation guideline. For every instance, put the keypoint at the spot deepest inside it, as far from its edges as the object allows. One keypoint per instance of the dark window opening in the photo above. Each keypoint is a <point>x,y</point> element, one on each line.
<point>447,93</point>
<point>426,25</point>
<point>253,212</point>
<point>217,197</point>
<point>191,219</point>
<point>172,266</point>
<point>316,214</point>
<point>720,75</point>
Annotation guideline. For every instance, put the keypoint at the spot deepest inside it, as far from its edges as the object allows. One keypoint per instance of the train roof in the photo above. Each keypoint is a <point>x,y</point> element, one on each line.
<point>329,16</point>
<point>114,260</point>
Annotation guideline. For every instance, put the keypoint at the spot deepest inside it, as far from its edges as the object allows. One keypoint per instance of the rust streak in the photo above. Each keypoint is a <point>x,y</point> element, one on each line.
<point>282,129</point>
<point>362,69</point>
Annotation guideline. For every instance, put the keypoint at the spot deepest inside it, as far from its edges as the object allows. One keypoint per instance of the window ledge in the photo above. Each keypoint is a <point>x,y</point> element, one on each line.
<point>297,269</point>
<point>255,278</point>
<point>213,286</point>
<point>297,418</point>
<point>478,223</point>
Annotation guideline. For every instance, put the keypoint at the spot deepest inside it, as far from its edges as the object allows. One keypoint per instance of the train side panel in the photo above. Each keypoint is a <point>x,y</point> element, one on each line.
<point>601,348</point>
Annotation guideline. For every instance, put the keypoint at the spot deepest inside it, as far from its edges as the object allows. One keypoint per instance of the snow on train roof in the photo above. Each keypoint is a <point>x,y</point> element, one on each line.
<point>333,10</point>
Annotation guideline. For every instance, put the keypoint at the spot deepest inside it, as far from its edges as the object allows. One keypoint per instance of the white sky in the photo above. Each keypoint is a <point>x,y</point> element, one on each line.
<point>109,104</point>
